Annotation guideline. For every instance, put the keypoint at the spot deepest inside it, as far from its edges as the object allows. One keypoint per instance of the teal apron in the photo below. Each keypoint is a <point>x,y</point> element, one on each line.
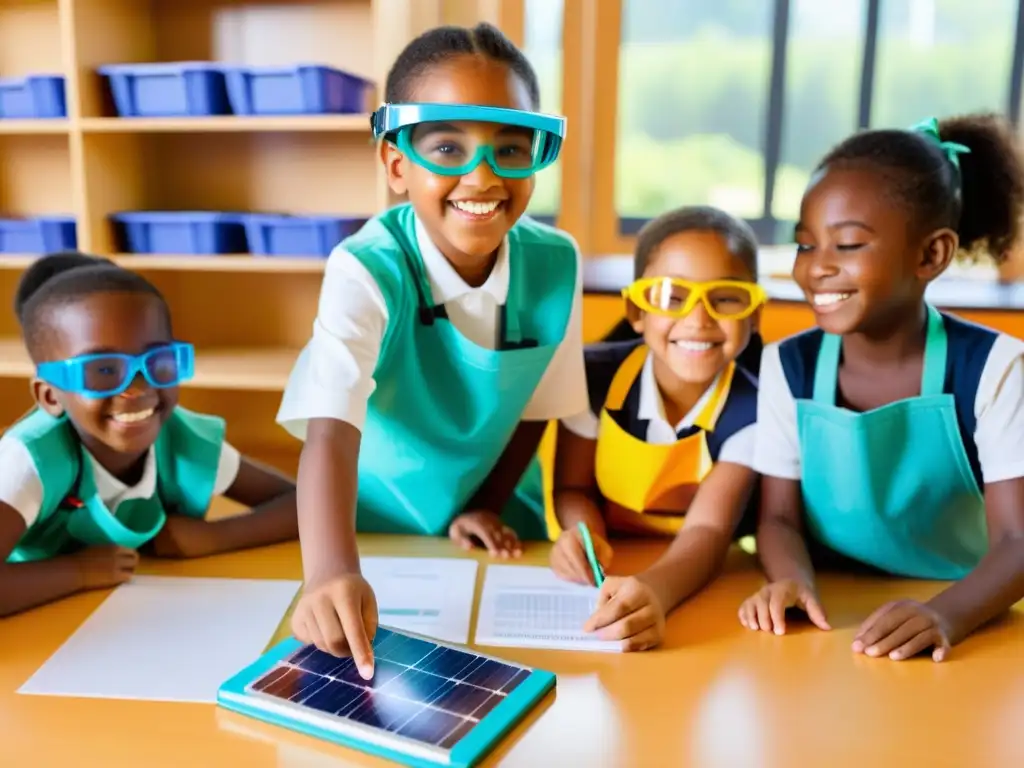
<point>892,487</point>
<point>445,408</point>
<point>83,518</point>
<point>187,453</point>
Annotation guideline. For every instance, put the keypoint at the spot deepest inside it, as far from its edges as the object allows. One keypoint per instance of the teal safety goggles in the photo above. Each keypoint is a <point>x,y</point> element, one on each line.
<point>108,374</point>
<point>434,137</point>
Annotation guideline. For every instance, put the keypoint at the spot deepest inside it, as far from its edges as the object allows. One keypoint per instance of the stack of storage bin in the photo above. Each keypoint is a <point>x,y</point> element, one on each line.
<point>202,89</point>
<point>38,234</point>
<point>36,97</point>
<point>211,233</point>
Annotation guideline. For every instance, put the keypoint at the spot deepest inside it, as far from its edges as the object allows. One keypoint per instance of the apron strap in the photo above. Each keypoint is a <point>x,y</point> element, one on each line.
<point>826,371</point>
<point>85,482</point>
<point>708,416</point>
<point>933,375</point>
<point>511,333</point>
<point>629,369</point>
<point>426,311</point>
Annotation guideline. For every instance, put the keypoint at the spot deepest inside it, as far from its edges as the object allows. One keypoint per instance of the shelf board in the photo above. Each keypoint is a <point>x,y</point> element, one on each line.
<point>16,260</point>
<point>223,263</point>
<point>34,127</point>
<point>254,369</point>
<point>229,124</point>
<point>281,265</point>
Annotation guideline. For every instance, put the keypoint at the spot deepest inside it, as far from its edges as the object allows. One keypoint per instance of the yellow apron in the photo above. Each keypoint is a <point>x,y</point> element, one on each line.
<point>649,487</point>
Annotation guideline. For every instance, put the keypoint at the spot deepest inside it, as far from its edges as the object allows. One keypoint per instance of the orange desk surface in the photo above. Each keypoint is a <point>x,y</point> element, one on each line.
<point>715,696</point>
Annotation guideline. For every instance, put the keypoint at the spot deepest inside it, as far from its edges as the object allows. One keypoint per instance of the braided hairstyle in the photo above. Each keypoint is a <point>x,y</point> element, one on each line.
<point>62,278</point>
<point>438,45</point>
<point>982,201</point>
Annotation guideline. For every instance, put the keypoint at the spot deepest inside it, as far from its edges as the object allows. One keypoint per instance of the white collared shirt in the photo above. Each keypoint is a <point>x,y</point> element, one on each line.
<point>333,376</point>
<point>21,488</point>
<point>738,449</point>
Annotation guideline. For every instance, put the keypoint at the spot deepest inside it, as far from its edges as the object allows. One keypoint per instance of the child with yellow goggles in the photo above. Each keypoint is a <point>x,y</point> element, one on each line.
<point>669,434</point>
<point>676,297</point>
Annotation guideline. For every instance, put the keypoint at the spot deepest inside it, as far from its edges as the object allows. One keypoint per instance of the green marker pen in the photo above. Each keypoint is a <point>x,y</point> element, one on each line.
<point>588,545</point>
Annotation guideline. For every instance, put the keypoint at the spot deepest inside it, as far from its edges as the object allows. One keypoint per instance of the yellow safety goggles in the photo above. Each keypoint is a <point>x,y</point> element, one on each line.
<point>675,297</point>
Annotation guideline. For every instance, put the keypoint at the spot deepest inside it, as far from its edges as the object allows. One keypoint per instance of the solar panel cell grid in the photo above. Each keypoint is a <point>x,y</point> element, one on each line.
<point>419,690</point>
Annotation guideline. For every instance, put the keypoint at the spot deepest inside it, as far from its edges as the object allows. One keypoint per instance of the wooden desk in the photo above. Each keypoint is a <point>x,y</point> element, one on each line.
<point>716,695</point>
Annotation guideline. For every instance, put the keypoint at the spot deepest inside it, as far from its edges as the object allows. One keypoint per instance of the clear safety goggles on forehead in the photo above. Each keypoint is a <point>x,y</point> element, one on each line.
<point>432,137</point>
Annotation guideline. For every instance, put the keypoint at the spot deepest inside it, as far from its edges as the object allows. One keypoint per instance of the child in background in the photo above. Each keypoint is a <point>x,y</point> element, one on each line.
<point>448,333</point>
<point>893,435</point>
<point>667,444</point>
<point>107,462</point>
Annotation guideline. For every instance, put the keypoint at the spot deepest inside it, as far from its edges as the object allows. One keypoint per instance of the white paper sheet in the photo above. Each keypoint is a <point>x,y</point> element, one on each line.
<point>530,607</point>
<point>428,596</point>
<point>166,639</point>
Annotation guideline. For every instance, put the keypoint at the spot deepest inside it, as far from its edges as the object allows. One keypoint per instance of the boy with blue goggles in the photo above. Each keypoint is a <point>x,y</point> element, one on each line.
<point>108,463</point>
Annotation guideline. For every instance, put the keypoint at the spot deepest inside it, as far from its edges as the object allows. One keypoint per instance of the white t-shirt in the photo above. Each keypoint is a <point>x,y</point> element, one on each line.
<point>21,488</point>
<point>737,449</point>
<point>998,408</point>
<point>333,376</point>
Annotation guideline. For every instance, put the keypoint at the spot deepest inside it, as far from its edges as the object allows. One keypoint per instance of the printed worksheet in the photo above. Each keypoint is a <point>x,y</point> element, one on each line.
<point>424,595</point>
<point>530,607</point>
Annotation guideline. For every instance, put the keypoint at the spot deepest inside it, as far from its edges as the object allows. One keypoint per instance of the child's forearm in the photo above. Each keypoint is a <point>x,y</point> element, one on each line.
<point>27,585</point>
<point>573,506</point>
<point>691,561</point>
<point>496,490</point>
<point>985,593</point>
<point>269,523</point>
<point>327,488</point>
<point>783,552</point>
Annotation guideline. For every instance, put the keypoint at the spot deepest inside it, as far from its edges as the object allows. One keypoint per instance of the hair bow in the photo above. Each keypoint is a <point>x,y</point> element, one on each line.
<point>930,129</point>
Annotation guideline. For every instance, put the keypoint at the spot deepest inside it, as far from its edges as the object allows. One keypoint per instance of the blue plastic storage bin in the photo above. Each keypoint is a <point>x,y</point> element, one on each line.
<point>32,98</point>
<point>298,90</point>
<point>184,232</point>
<point>180,89</point>
<point>277,235</point>
<point>38,234</point>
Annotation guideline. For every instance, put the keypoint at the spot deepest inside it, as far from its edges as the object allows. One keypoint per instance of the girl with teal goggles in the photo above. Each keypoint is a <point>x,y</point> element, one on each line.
<point>107,374</point>
<point>430,136</point>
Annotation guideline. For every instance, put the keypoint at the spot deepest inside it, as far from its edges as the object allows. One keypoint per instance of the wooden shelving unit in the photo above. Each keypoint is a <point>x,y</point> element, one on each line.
<point>247,316</point>
<point>358,124</point>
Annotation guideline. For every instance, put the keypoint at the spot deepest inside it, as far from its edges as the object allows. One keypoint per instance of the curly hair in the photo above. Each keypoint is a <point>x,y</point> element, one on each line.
<point>982,201</point>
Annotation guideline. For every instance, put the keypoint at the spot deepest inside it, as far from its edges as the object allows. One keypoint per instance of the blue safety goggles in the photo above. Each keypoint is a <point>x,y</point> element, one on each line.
<point>107,374</point>
<point>432,137</point>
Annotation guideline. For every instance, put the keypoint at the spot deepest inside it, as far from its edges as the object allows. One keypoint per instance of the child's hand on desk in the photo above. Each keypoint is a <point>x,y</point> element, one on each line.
<point>183,536</point>
<point>484,527</point>
<point>569,558</point>
<point>766,610</point>
<point>903,629</point>
<point>101,567</point>
<point>628,610</point>
<point>339,617</point>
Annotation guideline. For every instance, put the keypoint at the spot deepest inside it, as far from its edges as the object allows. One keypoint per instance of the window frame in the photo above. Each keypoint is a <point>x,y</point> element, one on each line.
<point>592,29</point>
<point>573,170</point>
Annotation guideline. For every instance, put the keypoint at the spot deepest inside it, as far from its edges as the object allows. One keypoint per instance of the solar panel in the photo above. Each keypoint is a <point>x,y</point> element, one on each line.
<point>425,699</point>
